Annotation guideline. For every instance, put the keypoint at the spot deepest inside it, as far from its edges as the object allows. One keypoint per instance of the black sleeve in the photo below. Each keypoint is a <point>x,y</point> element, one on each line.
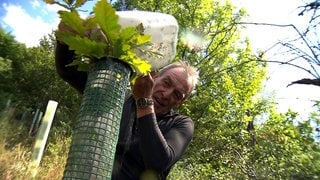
<point>63,57</point>
<point>162,151</point>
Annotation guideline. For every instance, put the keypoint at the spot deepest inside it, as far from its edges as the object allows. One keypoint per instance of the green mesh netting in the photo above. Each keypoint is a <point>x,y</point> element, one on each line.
<point>96,130</point>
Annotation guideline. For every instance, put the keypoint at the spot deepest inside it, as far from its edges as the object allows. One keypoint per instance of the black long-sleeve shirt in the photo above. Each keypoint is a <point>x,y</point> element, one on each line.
<point>147,147</point>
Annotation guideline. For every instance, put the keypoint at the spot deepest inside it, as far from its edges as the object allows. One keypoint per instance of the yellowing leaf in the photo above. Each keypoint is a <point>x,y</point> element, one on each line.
<point>143,40</point>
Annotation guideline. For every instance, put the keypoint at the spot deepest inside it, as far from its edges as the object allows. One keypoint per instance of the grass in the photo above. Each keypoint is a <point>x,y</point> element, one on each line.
<point>16,148</point>
<point>13,161</point>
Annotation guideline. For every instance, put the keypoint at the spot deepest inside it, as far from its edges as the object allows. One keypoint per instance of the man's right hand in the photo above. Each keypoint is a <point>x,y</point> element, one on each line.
<point>143,87</point>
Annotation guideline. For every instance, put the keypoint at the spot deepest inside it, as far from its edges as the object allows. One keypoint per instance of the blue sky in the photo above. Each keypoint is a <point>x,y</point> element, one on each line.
<point>30,20</point>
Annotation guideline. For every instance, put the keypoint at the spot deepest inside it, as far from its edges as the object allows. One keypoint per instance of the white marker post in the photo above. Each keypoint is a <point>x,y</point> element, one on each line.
<point>42,137</point>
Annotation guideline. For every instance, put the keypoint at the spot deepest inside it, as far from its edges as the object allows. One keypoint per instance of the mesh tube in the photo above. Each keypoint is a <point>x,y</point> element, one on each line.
<point>96,130</point>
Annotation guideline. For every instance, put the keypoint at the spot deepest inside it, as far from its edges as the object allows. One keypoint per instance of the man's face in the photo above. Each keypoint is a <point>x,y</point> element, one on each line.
<point>170,89</point>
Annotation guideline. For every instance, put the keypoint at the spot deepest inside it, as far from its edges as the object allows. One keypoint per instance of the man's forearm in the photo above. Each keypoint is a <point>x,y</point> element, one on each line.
<point>63,57</point>
<point>154,148</point>
<point>145,111</point>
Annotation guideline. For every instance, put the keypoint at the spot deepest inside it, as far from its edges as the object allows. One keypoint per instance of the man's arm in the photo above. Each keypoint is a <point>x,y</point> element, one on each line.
<point>63,57</point>
<point>160,152</point>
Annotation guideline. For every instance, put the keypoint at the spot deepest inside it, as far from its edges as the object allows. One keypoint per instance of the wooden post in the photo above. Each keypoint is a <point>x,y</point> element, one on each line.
<point>42,137</point>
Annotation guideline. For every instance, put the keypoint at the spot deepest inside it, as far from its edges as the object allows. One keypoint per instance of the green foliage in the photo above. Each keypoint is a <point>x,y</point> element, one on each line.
<point>10,52</point>
<point>31,79</point>
<point>286,148</point>
<point>224,103</point>
<point>14,146</point>
<point>101,36</point>
<point>55,156</point>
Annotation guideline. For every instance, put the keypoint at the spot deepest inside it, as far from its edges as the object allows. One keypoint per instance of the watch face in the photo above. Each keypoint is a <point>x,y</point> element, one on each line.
<point>144,102</point>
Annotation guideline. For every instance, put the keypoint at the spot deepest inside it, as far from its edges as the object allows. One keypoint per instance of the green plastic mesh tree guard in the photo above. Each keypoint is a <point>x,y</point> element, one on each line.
<point>96,130</point>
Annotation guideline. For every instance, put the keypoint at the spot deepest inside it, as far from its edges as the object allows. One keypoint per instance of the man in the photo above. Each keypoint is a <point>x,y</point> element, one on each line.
<point>152,136</point>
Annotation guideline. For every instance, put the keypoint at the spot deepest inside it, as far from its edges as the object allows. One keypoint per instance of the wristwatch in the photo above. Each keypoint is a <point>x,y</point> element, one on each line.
<point>144,102</point>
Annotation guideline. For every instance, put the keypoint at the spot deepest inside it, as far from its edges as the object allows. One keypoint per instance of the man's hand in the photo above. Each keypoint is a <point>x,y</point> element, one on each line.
<point>143,87</point>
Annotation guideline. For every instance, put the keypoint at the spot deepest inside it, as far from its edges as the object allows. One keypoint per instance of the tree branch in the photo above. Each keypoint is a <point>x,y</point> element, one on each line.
<point>315,82</point>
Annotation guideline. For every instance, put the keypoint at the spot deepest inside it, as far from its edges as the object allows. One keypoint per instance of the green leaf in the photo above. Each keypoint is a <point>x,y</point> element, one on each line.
<point>72,20</point>
<point>83,45</point>
<point>75,62</point>
<point>141,67</point>
<point>128,34</point>
<point>90,23</point>
<point>107,19</point>
<point>119,48</point>
<point>101,36</point>
<point>83,67</point>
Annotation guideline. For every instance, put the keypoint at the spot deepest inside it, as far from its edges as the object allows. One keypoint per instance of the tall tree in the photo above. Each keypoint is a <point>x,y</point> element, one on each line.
<point>11,51</point>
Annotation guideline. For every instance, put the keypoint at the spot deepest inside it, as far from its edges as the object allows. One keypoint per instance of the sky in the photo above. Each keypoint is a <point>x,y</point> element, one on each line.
<point>298,98</point>
<point>27,20</point>
<point>30,20</point>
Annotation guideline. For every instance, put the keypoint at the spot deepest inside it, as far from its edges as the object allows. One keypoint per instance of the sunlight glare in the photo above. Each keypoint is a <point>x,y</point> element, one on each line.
<point>192,40</point>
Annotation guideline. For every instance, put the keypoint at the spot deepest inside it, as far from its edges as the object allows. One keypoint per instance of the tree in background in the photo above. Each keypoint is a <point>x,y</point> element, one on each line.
<point>29,78</point>
<point>10,52</point>
<point>238,135</point>
<point>285,148</point>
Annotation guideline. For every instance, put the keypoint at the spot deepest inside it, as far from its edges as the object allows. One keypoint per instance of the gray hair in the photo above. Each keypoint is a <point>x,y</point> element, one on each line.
<point>190,70</point>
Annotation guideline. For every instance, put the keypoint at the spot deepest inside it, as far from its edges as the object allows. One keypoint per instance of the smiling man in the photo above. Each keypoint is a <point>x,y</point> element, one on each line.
<point>153,137</point>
